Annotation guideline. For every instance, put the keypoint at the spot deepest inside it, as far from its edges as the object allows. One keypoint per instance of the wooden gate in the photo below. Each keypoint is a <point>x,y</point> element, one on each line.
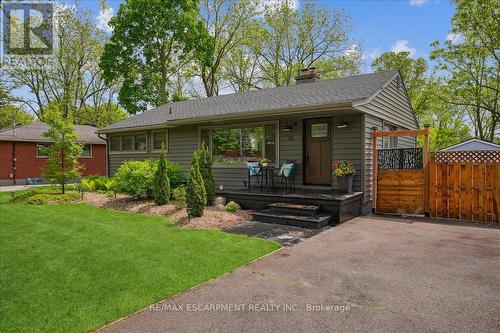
<point>400,175</point>
<point>465,186</point>
<point>400,181</point>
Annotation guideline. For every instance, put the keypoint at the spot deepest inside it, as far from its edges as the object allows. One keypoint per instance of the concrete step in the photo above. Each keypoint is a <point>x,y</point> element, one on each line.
<point>304,221</point>
<point>294,209</point>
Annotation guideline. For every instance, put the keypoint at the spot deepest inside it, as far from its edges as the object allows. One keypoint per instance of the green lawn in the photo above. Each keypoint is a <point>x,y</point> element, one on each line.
<point>74,267</point>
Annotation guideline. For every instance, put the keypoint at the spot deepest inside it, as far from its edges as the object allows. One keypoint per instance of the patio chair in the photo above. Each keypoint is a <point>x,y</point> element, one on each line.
<point>254,170</point>
<point>286,175</point>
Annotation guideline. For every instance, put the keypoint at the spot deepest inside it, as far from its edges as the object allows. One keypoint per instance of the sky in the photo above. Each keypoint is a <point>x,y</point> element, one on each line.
<point>379,25</point>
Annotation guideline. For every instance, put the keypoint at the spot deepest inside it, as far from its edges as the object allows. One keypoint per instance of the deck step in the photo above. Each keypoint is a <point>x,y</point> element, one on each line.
<point>294,209</point>
<point>304,221</point>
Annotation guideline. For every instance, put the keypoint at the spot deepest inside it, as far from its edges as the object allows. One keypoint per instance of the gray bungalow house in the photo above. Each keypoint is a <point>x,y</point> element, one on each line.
<point>311,124</point>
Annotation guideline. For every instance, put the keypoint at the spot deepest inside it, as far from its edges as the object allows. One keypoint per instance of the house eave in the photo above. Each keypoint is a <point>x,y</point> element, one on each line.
<point>17,139</point>
<point>236,116</point>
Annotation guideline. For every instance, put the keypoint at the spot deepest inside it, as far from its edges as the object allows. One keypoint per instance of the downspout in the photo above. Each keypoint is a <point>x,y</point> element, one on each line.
<point>14,160</point>
<point>107,153</point>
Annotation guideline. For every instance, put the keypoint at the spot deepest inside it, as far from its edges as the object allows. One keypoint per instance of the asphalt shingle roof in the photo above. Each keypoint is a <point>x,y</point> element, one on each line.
<point>473,144</point>
<point>323,92</point>
<point>34,133</point>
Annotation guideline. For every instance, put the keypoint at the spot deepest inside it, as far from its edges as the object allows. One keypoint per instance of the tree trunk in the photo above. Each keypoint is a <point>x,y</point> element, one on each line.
<point>62,166</point>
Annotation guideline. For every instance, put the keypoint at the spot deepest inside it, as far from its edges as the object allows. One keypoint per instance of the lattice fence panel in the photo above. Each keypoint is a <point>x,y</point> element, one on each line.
<point>473,156</point>
<point>400,159</point>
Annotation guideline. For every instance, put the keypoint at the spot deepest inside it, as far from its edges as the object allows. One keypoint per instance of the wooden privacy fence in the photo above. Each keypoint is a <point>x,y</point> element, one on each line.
<point>451,185</point>
<point>465,185</point>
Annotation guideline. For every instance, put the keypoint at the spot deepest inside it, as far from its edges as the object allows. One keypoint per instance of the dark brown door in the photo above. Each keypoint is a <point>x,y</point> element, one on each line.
<point>317,151</point>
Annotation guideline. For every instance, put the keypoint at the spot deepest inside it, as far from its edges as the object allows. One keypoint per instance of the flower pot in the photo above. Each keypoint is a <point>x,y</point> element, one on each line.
<point>345,184</point>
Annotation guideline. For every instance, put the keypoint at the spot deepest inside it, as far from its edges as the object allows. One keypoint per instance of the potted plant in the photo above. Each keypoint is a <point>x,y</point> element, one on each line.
<point>264,161</point>
<point>344,172</point>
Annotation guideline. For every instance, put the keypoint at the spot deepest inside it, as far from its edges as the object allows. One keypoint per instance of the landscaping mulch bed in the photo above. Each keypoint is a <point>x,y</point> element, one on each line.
<point>212,217</point>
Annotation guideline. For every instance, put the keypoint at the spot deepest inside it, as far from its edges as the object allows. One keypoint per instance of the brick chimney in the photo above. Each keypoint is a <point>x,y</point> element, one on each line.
<point>307,75</point>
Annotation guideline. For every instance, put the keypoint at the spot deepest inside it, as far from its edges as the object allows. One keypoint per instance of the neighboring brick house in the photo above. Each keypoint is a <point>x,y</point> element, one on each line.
<point>22,158</point>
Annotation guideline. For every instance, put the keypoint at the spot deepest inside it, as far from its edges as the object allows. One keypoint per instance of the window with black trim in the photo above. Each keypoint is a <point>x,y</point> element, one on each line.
<point>41,149</point>
<point>137,142</point>
<point>159,139</point>
<point>87,150</point>
<point>233,146</point>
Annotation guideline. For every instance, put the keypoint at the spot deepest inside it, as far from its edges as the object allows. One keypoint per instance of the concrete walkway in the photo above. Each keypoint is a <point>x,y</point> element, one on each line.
<point>13,188</point>
<point>369,274</point>
<point>284,234</point>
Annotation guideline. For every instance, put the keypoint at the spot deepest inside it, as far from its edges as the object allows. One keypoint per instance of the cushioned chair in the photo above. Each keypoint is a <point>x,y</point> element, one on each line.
<point>254,170</point>
<point>286,175</point>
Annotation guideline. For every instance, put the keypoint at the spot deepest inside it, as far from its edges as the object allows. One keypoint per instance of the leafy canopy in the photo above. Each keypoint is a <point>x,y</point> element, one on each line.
<point>471,64</point>
<point>151,41</point>
<point>63,153</point>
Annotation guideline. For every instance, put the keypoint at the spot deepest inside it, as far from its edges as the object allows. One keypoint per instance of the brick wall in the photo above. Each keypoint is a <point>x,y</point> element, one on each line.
<point>5,159</point>
<point>28,165</point>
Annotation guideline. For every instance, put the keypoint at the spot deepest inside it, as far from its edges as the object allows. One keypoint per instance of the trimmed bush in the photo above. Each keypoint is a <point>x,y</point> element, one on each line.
<point>179,196</point>
<point>161,189</point>
<point>135,178</point>
<point>206,173</point>
<point>38,198</point>
<point>175,174</point>
<point>231,207</point>
<point>179,193</point>
<point>196,197</point>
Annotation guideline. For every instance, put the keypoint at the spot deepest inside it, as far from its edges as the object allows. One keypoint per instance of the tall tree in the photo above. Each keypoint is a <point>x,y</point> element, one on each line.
<point>71,78</point>
<point>447,121</point>
<point>294,39</point>
<point>229,23</point>
<point>472,64</point>
<point>414,73</point>
<point>63,153</point>
<point>151,41</point>
<point>11,115</point>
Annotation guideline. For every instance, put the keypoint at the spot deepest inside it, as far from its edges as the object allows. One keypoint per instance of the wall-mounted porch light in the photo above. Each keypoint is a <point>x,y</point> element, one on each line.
<point>287,127</point>
<point>342,124</point>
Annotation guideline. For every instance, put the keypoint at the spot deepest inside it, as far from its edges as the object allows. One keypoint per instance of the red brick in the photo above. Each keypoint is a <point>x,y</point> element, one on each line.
<point>30,166</point>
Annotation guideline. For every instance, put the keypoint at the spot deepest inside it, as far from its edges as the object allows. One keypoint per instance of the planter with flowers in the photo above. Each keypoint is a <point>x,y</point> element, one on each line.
<point>264,162</point>
<point>344,171</point>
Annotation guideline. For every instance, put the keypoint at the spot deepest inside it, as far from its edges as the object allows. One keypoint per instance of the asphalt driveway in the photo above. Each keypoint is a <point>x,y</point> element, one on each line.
<point>368,274</point>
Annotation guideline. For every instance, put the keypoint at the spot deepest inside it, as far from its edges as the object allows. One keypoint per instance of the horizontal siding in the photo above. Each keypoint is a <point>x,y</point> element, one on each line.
<point>370,122</point>
<point>291,145</point>
<point>347,145</point>
<point>183,141</point>
<point>407,141</point>
<point>392,105</point>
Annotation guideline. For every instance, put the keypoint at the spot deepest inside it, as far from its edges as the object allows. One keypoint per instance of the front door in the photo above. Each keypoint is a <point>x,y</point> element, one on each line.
<point>317,151</point>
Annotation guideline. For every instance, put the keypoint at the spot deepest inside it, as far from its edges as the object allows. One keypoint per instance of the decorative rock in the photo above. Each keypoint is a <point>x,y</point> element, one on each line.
<point>220,201</point>
<point>231,203</point>
<point>220,207</point>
